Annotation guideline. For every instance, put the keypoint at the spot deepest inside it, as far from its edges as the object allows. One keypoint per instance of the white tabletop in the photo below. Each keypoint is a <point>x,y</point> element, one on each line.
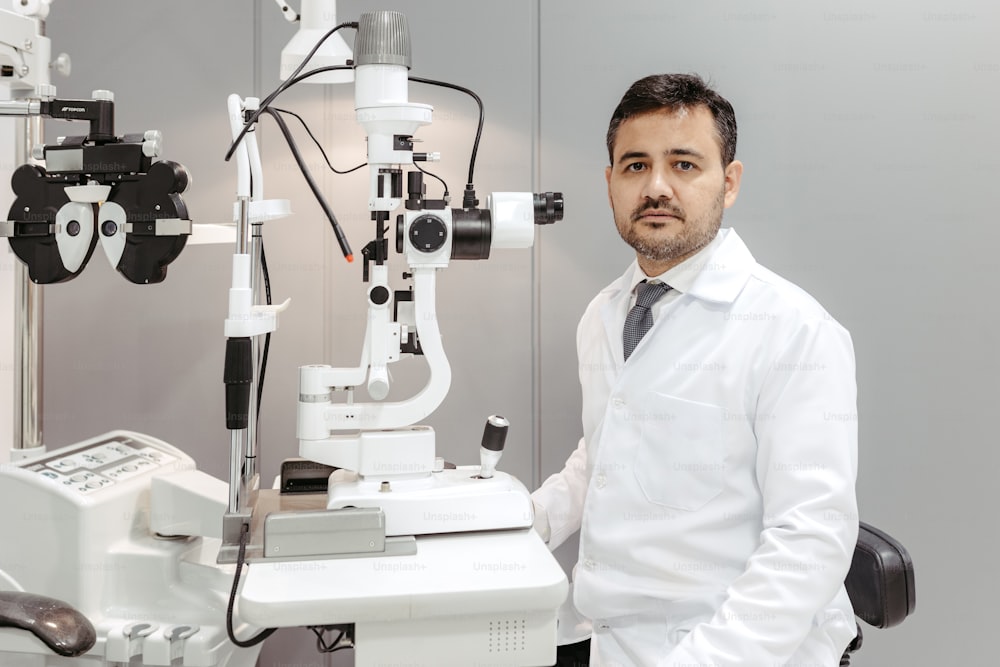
<point>457,574</point>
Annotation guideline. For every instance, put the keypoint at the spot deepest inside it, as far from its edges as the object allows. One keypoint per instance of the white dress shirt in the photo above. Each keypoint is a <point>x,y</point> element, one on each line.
<point>714,484</point>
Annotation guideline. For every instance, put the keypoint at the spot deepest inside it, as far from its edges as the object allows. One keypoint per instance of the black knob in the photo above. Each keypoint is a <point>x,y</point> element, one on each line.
<point>379,295</point>
<point>428,233</point>
<point>495,433</point>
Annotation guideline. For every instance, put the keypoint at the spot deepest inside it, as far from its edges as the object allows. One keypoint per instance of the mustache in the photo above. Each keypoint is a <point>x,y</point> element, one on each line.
<point>657,206</point>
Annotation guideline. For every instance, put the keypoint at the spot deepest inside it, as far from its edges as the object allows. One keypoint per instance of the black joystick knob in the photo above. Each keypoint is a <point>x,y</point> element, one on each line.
<point>494,436</point>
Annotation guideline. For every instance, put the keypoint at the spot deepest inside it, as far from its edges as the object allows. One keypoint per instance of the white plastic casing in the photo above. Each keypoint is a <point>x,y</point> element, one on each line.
<point>316,18</point>
<point>76,526</point>
<point>383,109</point>
<point>437,259</point>
<point>513,216</point>
<point>401,452</point>
<point>113,245</point>
<point>73,248</point>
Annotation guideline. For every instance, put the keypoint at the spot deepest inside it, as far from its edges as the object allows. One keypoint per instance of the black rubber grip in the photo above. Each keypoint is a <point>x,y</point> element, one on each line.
<point>495,433</point>
<point>238,375</point>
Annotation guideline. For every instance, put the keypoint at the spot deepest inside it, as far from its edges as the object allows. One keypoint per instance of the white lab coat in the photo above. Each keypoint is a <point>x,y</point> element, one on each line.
<point>714,484</point>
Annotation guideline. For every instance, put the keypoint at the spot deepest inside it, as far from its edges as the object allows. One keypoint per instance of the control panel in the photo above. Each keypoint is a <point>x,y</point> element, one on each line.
<point>101,463</point>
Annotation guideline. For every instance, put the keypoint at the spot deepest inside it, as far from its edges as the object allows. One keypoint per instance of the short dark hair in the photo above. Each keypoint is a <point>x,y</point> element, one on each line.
<point>672,92</point>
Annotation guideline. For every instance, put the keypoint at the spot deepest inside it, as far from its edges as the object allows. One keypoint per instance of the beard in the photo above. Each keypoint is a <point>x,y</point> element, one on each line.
<point>694,234</point>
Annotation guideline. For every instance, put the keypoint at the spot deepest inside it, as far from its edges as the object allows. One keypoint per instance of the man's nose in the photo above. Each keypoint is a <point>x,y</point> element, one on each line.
<point>658,185</point>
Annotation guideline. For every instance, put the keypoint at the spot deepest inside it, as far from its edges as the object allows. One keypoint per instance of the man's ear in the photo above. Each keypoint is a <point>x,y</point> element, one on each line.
<point>734,173</point>
<point>607,177</point>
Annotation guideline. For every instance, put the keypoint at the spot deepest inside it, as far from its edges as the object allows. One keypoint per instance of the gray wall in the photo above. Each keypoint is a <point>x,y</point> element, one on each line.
<point>868,138</point>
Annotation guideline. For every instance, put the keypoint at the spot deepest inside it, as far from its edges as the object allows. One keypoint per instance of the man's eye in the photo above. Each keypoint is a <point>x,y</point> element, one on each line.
<point>635,166</point>
<point>684,165</point>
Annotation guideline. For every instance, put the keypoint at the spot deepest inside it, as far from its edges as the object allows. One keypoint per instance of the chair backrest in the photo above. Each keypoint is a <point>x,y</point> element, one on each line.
<point>880,582</point>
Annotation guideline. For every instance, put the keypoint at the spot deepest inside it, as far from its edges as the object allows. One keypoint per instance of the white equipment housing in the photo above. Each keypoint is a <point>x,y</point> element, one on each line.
<point>77,527</point>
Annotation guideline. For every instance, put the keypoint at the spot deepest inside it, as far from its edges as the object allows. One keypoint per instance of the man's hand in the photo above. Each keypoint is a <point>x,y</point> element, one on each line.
<point>541,523</point>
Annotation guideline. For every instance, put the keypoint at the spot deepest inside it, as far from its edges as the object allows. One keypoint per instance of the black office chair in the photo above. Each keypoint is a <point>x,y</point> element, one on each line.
<point>879,583</point>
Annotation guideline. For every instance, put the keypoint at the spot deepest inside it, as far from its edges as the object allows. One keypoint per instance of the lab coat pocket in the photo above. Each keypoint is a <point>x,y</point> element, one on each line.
<point>680,461</point>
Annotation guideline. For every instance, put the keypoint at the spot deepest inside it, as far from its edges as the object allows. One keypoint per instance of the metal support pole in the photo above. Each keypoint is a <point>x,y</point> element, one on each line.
<point>244,479</point>
<point>250,473</point>
<point>28,327</point>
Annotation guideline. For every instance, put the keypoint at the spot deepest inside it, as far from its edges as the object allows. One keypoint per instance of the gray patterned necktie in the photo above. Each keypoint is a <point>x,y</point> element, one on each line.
<point>640,318</point>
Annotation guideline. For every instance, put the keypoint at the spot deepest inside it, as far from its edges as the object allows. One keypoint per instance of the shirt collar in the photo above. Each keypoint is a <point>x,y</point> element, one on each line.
<point>715,273</point>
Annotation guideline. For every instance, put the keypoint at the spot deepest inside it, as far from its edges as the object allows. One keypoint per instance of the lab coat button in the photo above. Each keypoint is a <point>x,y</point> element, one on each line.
<point>601,481</point>
<point>588,564</point>
<point>618,402</point>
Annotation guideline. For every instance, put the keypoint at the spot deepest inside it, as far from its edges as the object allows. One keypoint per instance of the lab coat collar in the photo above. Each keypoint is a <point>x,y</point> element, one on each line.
<point>716,273</point>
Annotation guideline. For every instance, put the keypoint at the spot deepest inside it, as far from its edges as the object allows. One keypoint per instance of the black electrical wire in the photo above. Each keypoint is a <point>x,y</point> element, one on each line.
<point>295,78</point>
<point>441,180</point>
<point>341,238</point>
<point>345,246</point>
<point>267,337</point>
<point>313,72</point>
<point>479,129</point>
<point>263,634</point>
<point>291,80</point>
<point>322,646</point>
<point>318,145</point>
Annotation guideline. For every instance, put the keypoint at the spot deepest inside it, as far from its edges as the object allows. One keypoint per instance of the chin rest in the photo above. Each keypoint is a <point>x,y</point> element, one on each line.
<point>57,624</point>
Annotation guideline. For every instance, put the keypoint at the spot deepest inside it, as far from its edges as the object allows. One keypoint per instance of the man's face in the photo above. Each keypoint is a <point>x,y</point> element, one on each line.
<point>667,186</point>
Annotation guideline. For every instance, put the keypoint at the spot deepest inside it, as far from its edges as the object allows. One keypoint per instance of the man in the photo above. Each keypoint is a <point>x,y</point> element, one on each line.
<point>713,487</point>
